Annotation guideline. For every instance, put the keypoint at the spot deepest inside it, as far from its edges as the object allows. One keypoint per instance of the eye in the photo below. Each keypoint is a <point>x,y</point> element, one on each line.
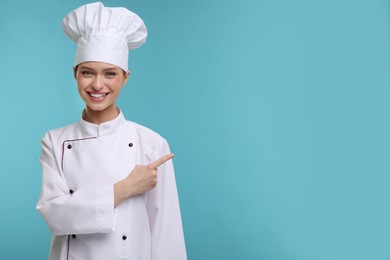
<point>86,73</point>
<point>111,74</point>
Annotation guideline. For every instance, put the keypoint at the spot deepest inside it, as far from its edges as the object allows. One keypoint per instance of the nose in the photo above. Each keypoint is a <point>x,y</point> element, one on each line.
<point>97,83</point>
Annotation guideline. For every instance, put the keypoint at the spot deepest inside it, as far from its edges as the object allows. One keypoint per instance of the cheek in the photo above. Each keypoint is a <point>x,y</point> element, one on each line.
<point>82,83</point>
<point>117,84</point>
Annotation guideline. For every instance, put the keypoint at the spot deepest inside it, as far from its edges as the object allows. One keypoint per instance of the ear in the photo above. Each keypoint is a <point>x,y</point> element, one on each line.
<point>75,72</point>
<point>126,75</point>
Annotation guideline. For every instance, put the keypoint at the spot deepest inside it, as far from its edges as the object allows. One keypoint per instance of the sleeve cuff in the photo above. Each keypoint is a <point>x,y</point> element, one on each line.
<point>105,212</point>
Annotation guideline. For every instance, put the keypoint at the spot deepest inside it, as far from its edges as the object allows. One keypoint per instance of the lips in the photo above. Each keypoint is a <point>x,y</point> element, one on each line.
<point>97,96</point>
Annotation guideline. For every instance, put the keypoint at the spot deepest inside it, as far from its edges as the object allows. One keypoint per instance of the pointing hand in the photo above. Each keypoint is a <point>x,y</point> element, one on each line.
<point>141,179</point>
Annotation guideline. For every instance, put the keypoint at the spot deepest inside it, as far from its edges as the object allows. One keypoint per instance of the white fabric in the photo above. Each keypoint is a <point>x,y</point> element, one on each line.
<point>104,34</point>
<point>80,164</point>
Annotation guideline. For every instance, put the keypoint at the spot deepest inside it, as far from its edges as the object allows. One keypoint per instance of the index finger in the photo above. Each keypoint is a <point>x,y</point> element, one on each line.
<point>160,161</point>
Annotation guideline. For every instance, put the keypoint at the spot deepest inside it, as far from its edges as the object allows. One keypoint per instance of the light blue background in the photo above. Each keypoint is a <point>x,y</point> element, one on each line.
<point>278,112</point>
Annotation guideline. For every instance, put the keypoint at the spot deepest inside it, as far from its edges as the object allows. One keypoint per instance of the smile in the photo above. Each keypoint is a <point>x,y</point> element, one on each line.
<point>97,96</point>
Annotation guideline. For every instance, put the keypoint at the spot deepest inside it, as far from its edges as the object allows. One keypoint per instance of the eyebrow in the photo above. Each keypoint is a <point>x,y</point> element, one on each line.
<point>88,68</point>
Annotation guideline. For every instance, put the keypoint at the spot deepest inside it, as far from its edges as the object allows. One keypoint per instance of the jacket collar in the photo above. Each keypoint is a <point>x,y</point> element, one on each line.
<point>107,128</point>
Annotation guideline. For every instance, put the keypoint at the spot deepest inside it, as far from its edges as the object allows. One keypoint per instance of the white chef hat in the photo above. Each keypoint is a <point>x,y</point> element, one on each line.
<point>104,34</point>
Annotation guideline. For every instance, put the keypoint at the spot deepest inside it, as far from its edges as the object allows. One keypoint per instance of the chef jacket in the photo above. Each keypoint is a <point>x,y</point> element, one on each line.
<point>80,164</point>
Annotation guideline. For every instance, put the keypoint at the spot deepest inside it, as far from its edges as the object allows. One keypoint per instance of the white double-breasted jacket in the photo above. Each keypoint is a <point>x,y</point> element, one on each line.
<point>80,164</point>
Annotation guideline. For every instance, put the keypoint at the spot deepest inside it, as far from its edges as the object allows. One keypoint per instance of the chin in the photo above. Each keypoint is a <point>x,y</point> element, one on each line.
<point>100,107</point>
<point>97,108</point>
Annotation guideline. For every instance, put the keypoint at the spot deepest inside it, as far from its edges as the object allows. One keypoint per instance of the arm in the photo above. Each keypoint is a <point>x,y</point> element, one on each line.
<point>164,213</point>
<point>87,210</point>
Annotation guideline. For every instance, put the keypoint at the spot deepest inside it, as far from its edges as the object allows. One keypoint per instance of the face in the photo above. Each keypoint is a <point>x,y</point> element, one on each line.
<point>99,85</point>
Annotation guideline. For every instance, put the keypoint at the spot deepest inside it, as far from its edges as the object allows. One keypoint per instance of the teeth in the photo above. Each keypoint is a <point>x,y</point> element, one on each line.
<point>97,95</point>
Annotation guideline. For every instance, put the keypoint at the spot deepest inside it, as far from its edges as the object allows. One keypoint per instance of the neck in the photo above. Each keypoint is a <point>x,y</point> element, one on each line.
<point>98,117</point>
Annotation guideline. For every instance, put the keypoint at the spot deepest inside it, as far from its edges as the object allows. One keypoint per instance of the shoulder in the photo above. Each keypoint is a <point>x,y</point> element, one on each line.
<point>59,133</point>
<point>150,141</point>
<point>146,133</point>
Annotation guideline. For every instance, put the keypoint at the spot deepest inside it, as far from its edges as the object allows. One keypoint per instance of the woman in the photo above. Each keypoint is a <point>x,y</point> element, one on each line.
<point>101,196</point>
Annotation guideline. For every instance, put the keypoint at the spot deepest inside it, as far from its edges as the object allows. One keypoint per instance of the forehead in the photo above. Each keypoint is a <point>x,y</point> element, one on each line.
<point>95,65</point>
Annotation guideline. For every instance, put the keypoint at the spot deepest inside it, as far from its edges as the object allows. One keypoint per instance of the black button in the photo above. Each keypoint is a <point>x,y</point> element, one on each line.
<point>69,146</point>
<point>71,191</point>
<point>130,144</point>
<point>73,236</point>
<point>124,237</point>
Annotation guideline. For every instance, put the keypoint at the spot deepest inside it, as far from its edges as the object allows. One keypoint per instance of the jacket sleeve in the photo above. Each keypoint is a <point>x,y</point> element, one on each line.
<point>86,210</point>
<point>164,212</point>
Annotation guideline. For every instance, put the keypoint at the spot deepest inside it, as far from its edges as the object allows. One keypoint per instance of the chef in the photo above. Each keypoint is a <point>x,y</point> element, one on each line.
<point>108,185</point>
